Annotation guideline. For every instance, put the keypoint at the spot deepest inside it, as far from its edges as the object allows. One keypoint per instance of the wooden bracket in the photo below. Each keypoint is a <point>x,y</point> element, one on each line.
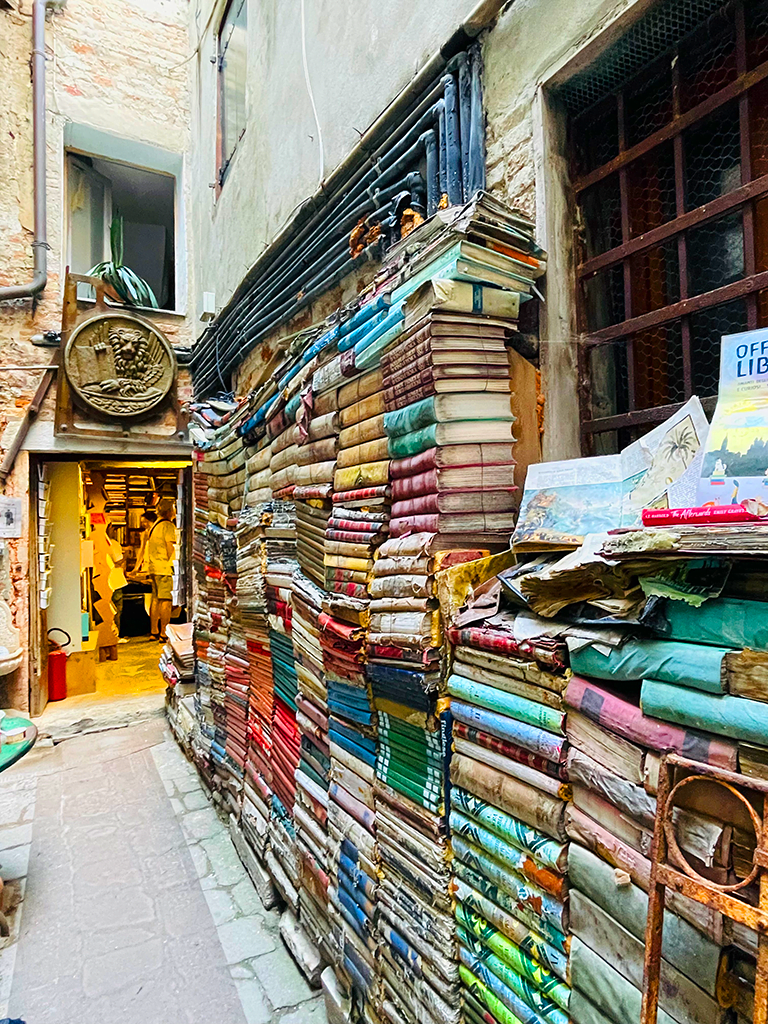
<point>65,421</point>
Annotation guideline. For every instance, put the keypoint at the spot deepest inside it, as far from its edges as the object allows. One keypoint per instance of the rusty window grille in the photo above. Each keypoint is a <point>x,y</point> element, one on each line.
<point>669,168</point>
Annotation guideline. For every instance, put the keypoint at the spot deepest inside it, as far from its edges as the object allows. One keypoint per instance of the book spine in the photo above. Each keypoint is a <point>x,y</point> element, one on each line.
<point>414,465</point>
<point>407,372</point>
<point>394,400</point>
<point>414,443</point>
<point>423,504</point>
<point>415,347</point>
<point>412,418</point>
<point>412,486</point>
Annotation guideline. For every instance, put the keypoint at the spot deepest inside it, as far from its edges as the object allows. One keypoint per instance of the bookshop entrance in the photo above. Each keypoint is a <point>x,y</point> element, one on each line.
<point>111,571</point>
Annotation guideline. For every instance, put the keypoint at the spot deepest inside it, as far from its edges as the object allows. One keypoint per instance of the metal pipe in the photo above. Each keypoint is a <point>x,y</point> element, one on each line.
<point>476,133</point>
<point>465,118</point>
<point>349,170</point>
<point>368,165</point>
<point>40,244</point>
<point>433,184</point>
<point>452,141</point>
<point>341,219</point>
<point>442,163</point>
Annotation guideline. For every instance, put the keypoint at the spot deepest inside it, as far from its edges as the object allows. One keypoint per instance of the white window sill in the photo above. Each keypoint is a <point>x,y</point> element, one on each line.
<point>148,310</point>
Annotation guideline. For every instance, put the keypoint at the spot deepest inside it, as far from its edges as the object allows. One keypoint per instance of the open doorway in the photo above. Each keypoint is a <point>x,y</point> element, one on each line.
<point>104,594</point>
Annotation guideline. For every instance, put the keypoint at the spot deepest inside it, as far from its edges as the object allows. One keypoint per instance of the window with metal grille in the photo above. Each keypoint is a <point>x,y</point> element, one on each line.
<point>670,175</point>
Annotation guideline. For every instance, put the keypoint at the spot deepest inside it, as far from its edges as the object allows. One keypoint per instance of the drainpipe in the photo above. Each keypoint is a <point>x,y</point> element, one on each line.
<point>40,244</point>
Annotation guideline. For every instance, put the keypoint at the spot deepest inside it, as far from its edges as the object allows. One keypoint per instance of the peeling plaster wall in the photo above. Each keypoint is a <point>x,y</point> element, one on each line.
<point>360,55</point>
<point>119,67</point>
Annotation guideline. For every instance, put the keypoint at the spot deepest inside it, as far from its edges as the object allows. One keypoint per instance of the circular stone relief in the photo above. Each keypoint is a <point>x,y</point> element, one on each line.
<point>119,365</point>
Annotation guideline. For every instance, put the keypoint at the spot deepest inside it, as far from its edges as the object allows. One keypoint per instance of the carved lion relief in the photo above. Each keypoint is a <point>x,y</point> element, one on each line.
<point>119,365</point>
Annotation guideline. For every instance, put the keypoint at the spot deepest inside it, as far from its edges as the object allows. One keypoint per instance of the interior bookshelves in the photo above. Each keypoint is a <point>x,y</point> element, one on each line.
<point>129,493</point>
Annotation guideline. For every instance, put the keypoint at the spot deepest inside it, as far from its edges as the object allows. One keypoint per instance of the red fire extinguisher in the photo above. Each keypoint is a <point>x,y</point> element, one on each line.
<point>57,665</point>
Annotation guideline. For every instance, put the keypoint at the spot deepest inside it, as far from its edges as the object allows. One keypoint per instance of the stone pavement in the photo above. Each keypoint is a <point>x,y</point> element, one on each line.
<point>129,904</point>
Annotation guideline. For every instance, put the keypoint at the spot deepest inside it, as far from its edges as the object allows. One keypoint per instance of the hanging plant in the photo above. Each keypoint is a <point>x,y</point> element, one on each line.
<point>126,285</point>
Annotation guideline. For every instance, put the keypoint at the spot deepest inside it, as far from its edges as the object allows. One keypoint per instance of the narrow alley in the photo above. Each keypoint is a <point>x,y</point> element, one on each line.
<point>127,900</point>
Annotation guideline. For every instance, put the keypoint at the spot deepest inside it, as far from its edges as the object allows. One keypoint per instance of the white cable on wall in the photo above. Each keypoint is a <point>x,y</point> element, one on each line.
<point>311,94</point>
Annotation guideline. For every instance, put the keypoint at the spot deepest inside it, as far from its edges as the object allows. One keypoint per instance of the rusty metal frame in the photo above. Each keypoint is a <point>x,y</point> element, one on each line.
<point>741,199</point>
<point>721,898</point>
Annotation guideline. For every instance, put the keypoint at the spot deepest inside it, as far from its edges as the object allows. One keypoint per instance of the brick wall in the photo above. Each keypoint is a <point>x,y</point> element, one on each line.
<point>119,67</point>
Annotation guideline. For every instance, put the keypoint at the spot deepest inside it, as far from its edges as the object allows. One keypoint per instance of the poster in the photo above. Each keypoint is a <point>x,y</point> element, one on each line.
<point>10,517</point>
<point>735,464</point>
<point>565,501</point>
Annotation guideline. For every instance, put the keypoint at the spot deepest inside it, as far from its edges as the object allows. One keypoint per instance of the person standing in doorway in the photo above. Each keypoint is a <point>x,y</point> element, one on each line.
<point>117,578</point>
<point>159,554</point>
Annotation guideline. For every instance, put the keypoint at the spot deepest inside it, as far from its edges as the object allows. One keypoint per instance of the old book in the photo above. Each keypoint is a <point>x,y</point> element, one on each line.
<point>418,389</point>
<point>461,297</point>
<point>535,808</point>
<point>472,502</point>
<point>323,426</point>
<point>517,686</point>
<point>448,456</point>
<point>721,714</point>
<point>612,819</point>
<point>463,478</point>
<point>473,523</point>
<point>370,474</point>
<point>454,363</point>
<point>458,432</point>
<point>440,348</point>
<point>619,755</point>
<point>753,761</point>
<point>626,719</point>
<point>746,673</point>
<point>613,853</point>
<point>359,433</point>
<point>369,451</point>
<point>316,451</point>
<point>360,388</point>
<point>363,409</point>
<point>510,668</point>
<point>325,403</point>
<point>678,995</point>
<point>692,952</point>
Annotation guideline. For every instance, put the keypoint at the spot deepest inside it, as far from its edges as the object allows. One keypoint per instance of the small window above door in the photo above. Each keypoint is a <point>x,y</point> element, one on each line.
<point>99,189</point>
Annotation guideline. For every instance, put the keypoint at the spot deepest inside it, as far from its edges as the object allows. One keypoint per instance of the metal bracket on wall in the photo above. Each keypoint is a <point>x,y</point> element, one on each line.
<point>29,415</point>
<point>734,901</point>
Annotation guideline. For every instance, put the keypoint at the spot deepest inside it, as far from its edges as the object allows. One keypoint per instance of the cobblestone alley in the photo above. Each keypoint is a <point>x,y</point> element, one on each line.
<point>130,903</point>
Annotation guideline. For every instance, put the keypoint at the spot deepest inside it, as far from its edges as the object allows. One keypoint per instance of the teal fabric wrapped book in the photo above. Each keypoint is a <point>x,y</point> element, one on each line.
<point>722,622</point>
<point>447,408</point>
<point>694,665</point>
<point>721,714</point>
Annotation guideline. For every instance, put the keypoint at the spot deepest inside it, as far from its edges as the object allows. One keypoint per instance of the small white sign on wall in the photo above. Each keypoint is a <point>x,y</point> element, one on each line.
<point>10,517</point>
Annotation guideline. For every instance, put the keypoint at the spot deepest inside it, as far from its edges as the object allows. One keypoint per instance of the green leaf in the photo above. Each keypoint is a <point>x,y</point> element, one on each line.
<point>131,288</point>
<point>116,239</point>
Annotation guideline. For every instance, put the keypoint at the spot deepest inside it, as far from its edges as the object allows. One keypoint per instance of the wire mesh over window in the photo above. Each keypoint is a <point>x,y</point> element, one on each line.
<point>670,173</point>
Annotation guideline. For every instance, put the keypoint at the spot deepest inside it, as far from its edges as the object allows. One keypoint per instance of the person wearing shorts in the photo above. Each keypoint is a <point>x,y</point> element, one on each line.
<point>159,555</point>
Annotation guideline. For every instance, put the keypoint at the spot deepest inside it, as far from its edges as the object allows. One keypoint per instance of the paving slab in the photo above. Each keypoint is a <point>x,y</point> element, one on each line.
<point>133,905</point>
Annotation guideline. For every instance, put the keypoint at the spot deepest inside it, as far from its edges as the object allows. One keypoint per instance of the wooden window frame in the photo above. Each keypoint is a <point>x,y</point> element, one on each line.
<point>222,160</point>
